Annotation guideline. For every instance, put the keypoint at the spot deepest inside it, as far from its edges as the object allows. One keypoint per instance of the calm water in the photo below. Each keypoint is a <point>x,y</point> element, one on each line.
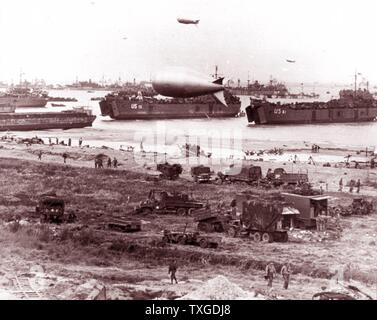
<point>232,133</point>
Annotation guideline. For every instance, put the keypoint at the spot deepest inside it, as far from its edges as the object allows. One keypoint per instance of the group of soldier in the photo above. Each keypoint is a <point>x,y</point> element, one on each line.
<point>353,184</point>
<point>286,271</point>
<point>98,163</point>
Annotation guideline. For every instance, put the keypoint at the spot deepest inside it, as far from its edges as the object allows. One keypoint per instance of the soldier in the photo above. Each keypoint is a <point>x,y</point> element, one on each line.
<point>100,163</point>
<point>341,185</point>
<point>115,163</point>
<point>352,184</point>
<point>40,155</point>
<point>69,142</point>
<point>270,274</point>
<point>172,270</point>
<point>80,142</point>
<point>65,156</point>
<point>233,206</point>
<point>109,163</point>
<point>358,184</point>
<point>286,273</point>
<point>49,141</point>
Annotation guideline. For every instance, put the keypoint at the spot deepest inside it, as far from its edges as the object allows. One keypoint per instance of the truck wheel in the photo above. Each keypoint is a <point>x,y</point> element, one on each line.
<point>203,243</point>
<point>266,237</point>
<point>257,237</point>
<point>181,211</point>
<point>232,232</point>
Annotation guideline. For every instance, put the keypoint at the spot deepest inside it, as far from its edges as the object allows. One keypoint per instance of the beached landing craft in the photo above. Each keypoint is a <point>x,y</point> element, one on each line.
<point>187,95</point>
<point>352,106</point>
<point>23,97</point>
<point>11,120</point>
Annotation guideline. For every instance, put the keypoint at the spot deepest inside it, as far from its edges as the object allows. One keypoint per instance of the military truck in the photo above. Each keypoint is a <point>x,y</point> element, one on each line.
<point>160,201</point>
<point>201,173</point>
<point>51,209</point>
<point>169,171</point>
<point>281,177</point>
<point>359,206</point>
<point>263,218</point>
<point>248,174</point>
<point>190,238</point>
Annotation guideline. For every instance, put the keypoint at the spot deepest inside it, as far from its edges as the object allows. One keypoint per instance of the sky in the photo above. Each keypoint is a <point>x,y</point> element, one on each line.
<point>59,40</point>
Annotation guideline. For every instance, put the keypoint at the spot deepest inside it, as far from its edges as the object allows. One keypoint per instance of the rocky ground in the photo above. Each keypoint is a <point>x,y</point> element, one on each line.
<point>77,261</point>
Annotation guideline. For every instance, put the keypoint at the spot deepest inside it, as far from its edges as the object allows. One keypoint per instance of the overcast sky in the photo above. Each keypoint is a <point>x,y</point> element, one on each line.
<point>59,40</point>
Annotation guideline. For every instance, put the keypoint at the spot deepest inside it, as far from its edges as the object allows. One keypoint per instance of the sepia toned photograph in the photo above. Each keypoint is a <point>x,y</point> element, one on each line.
<point>192,150</point>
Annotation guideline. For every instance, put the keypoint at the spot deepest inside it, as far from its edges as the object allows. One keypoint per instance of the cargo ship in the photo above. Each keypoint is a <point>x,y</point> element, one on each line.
<point>352,106</point>
<point>22,121</point>
<point>126,106</point>
<point>24,98</point>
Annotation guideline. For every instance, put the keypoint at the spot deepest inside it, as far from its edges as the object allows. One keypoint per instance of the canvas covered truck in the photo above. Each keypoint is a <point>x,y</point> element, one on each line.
<point>51,209</point>
<point>280,177</point>
<point>169,171</point>
<point>201,173</point>
<point>247,174</point>
<point>262,218</point>
<point>160,201</point>
<point>310,207</point>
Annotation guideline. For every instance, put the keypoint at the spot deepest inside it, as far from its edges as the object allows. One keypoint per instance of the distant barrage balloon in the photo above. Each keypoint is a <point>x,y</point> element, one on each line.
<point>187,21</point>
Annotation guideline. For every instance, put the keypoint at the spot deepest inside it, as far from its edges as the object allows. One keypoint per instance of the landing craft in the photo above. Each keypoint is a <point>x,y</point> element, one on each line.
<point>290,61</point>
<point>187,21</point>
<point>184,84</point>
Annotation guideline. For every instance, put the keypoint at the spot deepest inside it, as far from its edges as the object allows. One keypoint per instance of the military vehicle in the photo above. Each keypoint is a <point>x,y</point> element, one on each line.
<point>248,174</point>
<point>190,238</point>
<point>169,171</point>
<point>263,217</point>
<point>212,222</point>
<point>201,173</point>
<point>51,208</point>
<point>359,206</point>
<point>281,177</point>
<point>160,201</point>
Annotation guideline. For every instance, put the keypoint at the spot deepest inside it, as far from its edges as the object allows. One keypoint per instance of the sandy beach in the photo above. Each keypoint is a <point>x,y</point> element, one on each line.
<point>84,254</point>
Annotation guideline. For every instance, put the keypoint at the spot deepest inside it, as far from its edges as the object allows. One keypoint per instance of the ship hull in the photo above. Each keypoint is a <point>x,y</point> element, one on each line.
<point>270,113</point>
<point>44,121</point>
<point>126,110</point>
<point>24,102</point>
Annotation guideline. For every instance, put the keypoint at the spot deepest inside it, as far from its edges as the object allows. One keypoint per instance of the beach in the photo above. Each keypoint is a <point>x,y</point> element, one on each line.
<point>100,194</point>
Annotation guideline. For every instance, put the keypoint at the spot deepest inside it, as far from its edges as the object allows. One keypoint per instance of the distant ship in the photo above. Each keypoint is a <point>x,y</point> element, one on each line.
<point>127,106</point>
<point>352,106</point>
<point>273,89</point>
<point>76,118</point>
<point>23,98</point>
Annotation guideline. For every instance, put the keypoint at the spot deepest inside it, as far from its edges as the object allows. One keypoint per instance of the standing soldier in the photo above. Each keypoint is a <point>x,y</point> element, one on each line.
<point>341,185</point>
<point>65,156</point>
<point>80,142</point>
<point>358,184</point>
<point>69,142</point>
<point>109,163</point>
<point>286,273</point>
<point>352,184</point>
<point>172,270</point>
<point>40,155</point>
<point>115,163</point>
<point>270,274</point>
<point>49,141</point>
<point>57,140</point>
